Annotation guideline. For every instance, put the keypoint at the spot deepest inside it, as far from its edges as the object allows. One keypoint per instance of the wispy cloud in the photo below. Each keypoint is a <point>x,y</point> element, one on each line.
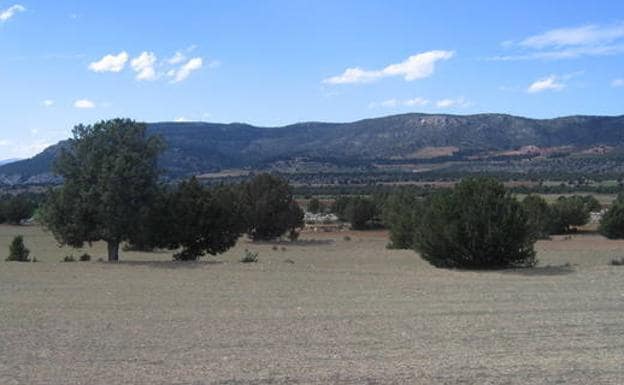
<point>587,35</point>
<point>460,102</point>
<point>84,104</point>
<point>415,67</point>
<point>617,83</point>
<point>549,83</point>
<point>47,103</point>
<point>568,43</point>
<point>185,70</point>
<point>110,63</point>
<point>177,58</point>
<point>143,65</point>
<point>8,13</point>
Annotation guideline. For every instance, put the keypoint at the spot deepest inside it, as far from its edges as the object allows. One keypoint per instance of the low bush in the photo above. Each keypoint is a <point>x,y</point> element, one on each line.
<point>249,257</point>
<point>617,261</point>
<point>68,258</point>
<point>17,251</point>
<point>85,257</point>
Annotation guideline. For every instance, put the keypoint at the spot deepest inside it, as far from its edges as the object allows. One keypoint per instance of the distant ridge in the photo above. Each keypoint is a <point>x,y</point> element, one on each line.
<point>7,161</point>
<point>196,147</point>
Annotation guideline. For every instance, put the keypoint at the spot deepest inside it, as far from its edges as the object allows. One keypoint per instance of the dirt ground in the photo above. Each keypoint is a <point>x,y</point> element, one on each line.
<point>324,311</point>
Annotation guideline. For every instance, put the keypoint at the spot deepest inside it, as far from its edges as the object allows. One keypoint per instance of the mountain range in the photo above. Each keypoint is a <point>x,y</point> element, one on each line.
<point>195,148</point>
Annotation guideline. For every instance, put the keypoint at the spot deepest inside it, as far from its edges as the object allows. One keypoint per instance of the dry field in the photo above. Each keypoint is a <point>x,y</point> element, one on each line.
<point>325,311</point>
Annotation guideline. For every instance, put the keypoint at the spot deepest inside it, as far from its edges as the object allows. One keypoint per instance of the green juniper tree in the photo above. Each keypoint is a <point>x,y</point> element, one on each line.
<point>203,220</point>
<point>109,178</point>
<point>477,225</point>
<point>271,208</point>
<point>17,251</point>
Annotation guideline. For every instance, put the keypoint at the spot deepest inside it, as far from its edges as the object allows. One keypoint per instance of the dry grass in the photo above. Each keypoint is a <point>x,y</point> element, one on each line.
<point>325,311</point>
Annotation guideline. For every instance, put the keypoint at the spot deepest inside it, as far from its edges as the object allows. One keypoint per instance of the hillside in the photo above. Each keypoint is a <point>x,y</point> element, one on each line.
<point>197,148</point>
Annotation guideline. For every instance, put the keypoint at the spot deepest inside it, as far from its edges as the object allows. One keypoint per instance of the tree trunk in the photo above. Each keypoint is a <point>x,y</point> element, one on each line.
<point>113,251</point>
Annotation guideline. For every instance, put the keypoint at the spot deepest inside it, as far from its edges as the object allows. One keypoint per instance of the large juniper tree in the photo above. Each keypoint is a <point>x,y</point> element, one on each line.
<point>110,174</point>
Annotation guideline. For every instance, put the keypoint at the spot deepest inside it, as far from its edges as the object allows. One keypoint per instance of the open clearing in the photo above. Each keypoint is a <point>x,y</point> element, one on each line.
<point>345,312</point>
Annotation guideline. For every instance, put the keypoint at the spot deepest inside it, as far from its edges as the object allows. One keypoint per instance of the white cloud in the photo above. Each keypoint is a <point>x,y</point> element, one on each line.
<point>416,102</point>
<point>569,43</point>
<point>179,57</point>
<point>110,63</point>
<point>617,83</point>
<point>181,119</point>
<point>214,64</point>
<point>84,104</point>
<point>47,103</point>
<point>11,11</point>
<point>415,67</point>
<point>185,70</point>
<point>23,150</point>
<point>577,36</point>
<point>143,65</point>
<point>460,102</point>
<point>549,83</point>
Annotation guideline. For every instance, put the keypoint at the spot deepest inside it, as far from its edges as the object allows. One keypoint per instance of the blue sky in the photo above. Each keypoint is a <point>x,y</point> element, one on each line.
<point>279,62</point>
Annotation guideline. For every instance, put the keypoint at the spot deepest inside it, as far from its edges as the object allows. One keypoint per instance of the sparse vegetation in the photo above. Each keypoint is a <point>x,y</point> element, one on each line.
<point>84,257</point>
<point>68,258</point>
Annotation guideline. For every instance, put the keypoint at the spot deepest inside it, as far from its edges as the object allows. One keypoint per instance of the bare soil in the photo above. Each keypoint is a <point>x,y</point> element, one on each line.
<point>323,311</point>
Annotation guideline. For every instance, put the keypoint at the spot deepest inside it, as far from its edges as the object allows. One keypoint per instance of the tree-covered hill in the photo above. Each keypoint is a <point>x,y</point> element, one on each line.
<point>196,148</point>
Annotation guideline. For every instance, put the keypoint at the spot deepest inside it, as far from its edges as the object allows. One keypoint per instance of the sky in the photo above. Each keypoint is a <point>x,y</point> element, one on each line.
<point>275,62</point>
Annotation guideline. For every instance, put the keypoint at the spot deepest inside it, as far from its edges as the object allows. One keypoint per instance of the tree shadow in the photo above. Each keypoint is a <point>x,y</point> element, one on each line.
<point>548,270</point>
<point>298,242</point>
<point>167,264</point>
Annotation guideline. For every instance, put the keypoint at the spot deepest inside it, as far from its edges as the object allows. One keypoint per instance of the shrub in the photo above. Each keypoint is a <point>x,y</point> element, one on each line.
<point>17,251</point>
<point>314,205</point>
<point>617,261</point>
<point>401,214</point>
<point>477,225</point>
<point>569,212</point>
<point>249,257</point>
<point>203,220</point>
<point>271,208</point>
<point>612,222</point>
<point>85,257</point>
<point>539,215</point>
<point>346,238</point>
<point>68,258</point>
<point>361,213</point>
